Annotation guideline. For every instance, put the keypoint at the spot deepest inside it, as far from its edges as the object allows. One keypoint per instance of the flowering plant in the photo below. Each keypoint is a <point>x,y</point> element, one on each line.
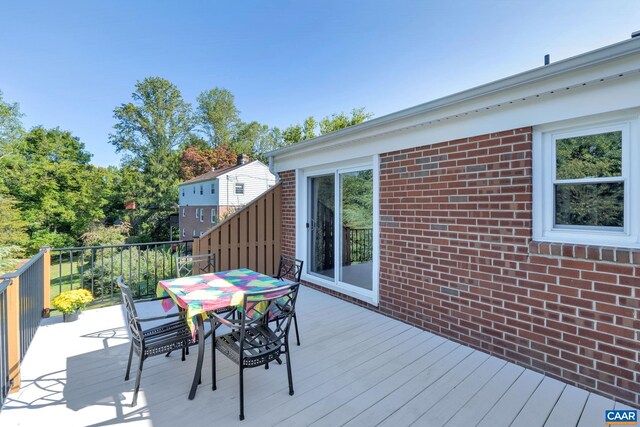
<point>70,301</point>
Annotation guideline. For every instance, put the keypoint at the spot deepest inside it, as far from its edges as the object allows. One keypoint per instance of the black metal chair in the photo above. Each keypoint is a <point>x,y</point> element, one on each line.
<point>289,267</point>
<point>200,264</point>
<point>255,340</point>
<point>158,339</point>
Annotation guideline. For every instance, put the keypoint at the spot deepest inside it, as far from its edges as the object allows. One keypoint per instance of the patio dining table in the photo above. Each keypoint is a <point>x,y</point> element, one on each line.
<point>201,294</point>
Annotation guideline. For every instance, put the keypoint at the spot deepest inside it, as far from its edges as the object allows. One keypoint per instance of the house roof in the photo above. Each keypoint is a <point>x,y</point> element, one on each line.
<point>207,176</point>
<point>520,86</point>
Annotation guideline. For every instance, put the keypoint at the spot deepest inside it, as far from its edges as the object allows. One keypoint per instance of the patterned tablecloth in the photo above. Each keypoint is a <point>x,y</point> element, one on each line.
<point>207,292</point>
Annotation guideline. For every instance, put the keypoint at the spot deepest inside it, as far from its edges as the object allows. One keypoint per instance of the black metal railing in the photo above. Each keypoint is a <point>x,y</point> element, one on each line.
<point>359,245</point>
<point>31,298</point>
<point>96,268</point>
<point>5,384</point>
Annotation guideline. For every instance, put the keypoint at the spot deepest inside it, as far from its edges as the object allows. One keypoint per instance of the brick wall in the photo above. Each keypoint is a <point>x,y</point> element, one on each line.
<point>456,258</point>
<point>288,237</point>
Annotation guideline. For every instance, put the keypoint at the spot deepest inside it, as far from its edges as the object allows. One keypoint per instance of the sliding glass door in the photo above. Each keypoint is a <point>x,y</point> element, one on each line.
<point>356,221</point>
<point>340,228</point>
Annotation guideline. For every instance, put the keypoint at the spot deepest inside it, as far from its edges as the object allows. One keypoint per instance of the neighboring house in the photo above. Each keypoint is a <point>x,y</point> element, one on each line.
<point>506,217</point>
<point>207,198</point>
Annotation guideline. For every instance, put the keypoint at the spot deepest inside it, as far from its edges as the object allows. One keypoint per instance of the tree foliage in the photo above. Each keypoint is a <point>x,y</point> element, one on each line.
<point>297,133</point>
<point>195,161</point>
<point>218,116</point>
<point>55,187</point>
<point>149,131</point>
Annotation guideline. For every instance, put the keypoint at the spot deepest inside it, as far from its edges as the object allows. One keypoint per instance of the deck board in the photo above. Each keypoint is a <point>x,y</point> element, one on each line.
<point>354,367</point>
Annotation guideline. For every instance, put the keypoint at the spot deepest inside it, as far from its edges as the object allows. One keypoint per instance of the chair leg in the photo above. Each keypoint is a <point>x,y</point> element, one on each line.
<point>290,377</point>
<point>295,324</point>
<point>126,376</point>
<point>213,366</point>
<point>241,393</point>
<point>138,375</point>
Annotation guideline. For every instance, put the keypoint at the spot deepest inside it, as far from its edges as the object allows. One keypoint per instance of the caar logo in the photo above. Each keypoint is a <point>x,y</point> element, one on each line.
<point>621,417</point>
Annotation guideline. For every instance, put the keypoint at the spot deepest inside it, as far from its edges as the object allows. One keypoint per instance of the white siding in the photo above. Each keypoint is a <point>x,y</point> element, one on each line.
<point>256,179</point>
<point>192,198</point>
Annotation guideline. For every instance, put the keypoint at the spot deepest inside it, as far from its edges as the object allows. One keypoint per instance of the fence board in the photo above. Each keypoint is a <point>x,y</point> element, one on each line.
<point>249,238</point>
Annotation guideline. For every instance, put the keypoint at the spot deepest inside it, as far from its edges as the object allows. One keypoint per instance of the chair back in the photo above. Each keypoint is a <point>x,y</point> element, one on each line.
<point>190,265</point>
<point>132,314</point>
<point>256,314</point>
<point>289,266</point>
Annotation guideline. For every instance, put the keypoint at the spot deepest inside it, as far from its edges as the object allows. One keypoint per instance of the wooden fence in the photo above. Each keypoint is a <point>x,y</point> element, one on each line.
<point>250,238</point>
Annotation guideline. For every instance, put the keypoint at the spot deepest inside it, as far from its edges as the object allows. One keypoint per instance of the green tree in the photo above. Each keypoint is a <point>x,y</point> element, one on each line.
<point>57,190</point>
<point>341,120</point>
<point>13,229</point>
<point>10,124</point>
<point>218,116</point>
<point>149,131</point>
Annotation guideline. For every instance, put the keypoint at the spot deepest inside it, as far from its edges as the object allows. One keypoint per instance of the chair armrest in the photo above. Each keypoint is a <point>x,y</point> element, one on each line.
<point>225,320</point>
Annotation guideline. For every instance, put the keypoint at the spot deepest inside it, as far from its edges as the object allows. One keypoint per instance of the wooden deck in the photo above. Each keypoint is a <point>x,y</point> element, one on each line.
<point>355,367</point>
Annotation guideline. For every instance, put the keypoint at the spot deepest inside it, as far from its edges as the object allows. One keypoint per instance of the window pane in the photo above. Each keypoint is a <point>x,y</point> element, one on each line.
<point>321,226</point>
<point>590,204</point>
<point>589,156</point>
<point>357,228</point>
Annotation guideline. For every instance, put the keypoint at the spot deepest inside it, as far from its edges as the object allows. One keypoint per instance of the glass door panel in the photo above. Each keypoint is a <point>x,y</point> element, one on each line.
<point>356,219</point>
<point>321,225</point>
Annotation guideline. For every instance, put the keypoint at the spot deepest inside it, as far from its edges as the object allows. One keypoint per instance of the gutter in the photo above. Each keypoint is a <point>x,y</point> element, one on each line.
<point>565,66</point>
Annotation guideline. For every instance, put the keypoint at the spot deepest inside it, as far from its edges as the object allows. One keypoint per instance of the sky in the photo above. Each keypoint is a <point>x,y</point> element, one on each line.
<point>70,63</point>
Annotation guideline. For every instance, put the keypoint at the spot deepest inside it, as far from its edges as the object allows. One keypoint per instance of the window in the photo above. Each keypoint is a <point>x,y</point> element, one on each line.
<point>194,233</point>
<point>584,187</point>
<point>239,188</point>
<point>194,189</point>
<point>184,212</point>
<point>213,188</point>
<point>184,232</point>
<point>183,192</point>
<point>201,214</point>
<point>214,214</point>
<point>201,190</point>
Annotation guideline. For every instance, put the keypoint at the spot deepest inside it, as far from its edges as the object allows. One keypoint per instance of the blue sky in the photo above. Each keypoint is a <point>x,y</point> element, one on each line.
<point>70,63</point>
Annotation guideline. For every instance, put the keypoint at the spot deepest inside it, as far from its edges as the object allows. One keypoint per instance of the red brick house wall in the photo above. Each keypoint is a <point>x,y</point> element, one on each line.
<point>457,258</point>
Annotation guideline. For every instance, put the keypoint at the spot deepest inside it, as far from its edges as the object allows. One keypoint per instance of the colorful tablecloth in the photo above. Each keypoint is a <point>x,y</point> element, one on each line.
<point>207,292</point>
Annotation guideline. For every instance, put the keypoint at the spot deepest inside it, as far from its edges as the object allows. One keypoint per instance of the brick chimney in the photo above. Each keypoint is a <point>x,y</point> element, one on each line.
<point>243,159</point>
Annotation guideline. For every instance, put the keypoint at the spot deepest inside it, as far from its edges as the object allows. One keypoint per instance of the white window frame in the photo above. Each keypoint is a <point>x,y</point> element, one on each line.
<point>241,184</point>
<point>194,233</point>
<point>197,216</point>
<point>184,212</point>
<point>544,170</point>
<point>214,214</point>
<point>201,214</point>
<point>302,236</point>
<point>184,232</point>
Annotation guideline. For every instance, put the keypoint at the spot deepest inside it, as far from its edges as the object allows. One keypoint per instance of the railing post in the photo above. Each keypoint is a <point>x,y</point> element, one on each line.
<point>13,332</point>
<point>195,246</point>
<point>46,281</point>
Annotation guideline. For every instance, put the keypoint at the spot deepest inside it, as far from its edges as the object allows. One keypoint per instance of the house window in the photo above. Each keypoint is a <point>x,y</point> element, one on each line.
<point>239,188</point>
<point>201,214</point>
<point>184,212</point>
<point>183,192</point>
<point>194,189</point>
<point>184,232</point>
<point>584,188</point>
<point>214,214</point>
<point>194,233</point>
<point>201,190</point>
<point>213,188</point>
